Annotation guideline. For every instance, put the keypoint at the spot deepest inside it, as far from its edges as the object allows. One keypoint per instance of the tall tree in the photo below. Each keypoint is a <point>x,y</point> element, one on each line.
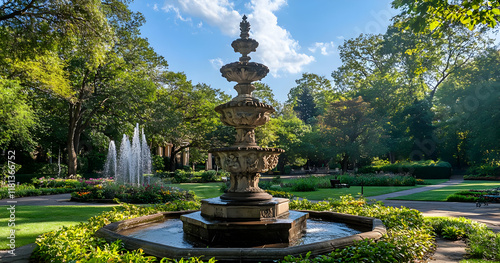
<point>126,77</point>
<point>319,87</point>
<point>351,130</point>
<point>305,106</point>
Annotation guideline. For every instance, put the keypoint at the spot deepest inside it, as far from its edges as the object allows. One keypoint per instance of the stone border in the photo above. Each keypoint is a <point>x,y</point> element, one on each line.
<point>374,227</point>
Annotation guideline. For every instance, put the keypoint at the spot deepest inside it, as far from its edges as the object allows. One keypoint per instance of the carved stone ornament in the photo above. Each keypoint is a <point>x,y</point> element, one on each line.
<point>244,72</point>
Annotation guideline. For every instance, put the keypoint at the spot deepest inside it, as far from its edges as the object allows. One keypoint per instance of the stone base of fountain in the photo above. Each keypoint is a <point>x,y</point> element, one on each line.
<point>278,232</point>
<point>244,224</point>
<point>217,208</point>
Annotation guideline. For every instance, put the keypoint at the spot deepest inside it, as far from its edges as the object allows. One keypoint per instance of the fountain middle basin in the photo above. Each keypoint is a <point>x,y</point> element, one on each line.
<point>176,244</point>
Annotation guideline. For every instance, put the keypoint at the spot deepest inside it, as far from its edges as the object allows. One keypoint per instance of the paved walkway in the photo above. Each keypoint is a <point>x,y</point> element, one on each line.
<point>447,251</point>
<point>456,179</point>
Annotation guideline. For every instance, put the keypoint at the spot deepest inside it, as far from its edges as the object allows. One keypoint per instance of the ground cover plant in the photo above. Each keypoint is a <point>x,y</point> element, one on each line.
<point>408,238</point>
<point>442,194</point>
<point>482,243</point>
<point>32,221</point>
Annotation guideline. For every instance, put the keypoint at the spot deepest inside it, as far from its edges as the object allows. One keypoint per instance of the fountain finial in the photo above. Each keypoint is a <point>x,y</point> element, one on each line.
<point>244,28</point>
<point>244,44</point>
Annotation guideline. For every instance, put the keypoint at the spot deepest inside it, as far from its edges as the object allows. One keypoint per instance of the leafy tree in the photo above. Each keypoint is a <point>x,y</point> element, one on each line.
<point>119,85</point>
<point>32,32</point>
<point>17,118</point>
<point>425,15</point>
<point>183,114</point>
<point>351,130</point>
<point>468,112</point>
<point>265,94</point>
<point>305,106</point>
<point>285,132</point>
<point>415,125</point>
<point>319,87</point>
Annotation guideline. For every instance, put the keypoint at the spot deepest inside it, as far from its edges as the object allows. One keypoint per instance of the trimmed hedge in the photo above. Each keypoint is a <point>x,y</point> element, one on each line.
<point>421,170</point>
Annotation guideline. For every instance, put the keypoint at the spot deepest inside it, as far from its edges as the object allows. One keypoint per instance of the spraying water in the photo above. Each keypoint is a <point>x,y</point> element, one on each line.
<point>111,164</point>
<point>134,159</point>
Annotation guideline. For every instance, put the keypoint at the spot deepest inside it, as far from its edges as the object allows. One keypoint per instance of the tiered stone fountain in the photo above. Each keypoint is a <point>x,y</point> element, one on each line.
<point>245,214</point>
<point>245,224</point>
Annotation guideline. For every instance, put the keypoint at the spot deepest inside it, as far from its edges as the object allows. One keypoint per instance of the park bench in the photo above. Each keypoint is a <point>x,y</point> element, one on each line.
<point>336,184</point>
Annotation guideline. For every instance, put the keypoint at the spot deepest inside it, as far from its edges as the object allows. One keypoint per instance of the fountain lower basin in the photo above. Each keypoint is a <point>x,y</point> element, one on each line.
<point>180,247</point>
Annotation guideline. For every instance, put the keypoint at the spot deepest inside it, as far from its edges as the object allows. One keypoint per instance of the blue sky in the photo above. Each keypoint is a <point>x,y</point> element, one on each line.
<point>294,36</point>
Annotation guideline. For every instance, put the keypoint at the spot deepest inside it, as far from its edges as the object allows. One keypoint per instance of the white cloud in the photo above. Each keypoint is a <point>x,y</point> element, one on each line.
<point>325,48</point>
<point>155,7</point>
<point>277,48</point>
<point>172,8</point>
<point>216,63</point>
<point>218,13</point>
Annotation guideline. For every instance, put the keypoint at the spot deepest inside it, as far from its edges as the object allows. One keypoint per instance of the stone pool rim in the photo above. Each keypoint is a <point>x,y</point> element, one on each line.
<point>375,230</point>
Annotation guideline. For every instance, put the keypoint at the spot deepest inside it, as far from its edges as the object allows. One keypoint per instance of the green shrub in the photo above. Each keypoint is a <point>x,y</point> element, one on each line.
<point>483,171</point>
<point>453,232</point>
<point>282,194</point>
<point>209,176</point>
<point>461,198</point>
<point>157,162</point>
<point>422,169</point>
<point>181,176</point>
<point>287,169</point>
<point>304,185</point>
<point>46,182</point>
<point>24,190</point>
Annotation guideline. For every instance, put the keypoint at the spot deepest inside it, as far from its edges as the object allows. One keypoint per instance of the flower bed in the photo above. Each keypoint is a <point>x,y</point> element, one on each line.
<point>144,194</point>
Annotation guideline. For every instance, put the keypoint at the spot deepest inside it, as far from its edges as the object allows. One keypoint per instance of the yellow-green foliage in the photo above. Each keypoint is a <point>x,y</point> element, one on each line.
<point>78,243</point>
<point>408,238</point>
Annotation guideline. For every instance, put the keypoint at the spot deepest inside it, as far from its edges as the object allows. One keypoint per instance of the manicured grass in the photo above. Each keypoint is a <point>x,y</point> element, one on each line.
<point>325,193</point>
<point>210,190</point>
<point>441,193</point>
<point>202,190</point>
<point>32,221</point>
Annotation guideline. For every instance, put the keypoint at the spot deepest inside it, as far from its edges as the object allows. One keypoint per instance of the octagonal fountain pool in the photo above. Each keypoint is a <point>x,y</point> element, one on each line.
<point>162,235</point>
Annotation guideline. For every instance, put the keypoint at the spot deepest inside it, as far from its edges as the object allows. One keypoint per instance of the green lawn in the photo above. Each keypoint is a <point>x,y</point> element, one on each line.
<point>32,221</point>
<point>325,193</point>
<point>209,190</point>
<point>202,190</point>
<point>441,193</point>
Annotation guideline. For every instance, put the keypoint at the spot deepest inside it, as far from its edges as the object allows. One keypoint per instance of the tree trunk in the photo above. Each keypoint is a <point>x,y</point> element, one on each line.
<point>72,148</point>
<point>345,162</point>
